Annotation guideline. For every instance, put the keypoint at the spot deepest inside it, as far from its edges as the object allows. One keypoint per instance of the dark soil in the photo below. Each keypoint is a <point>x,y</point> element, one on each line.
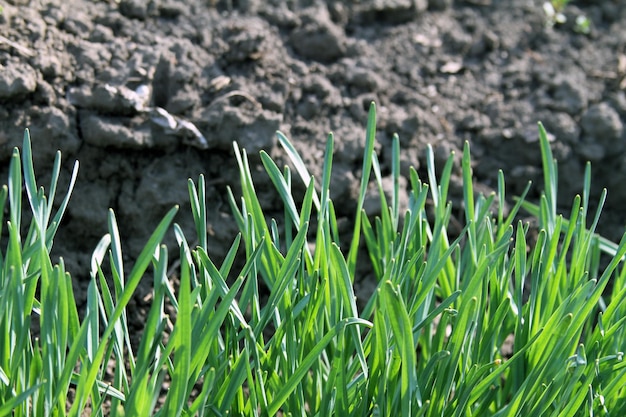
<point>87,77</point>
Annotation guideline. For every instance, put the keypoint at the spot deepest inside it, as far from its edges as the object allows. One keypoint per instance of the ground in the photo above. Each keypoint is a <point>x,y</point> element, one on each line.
<point>146,94</point>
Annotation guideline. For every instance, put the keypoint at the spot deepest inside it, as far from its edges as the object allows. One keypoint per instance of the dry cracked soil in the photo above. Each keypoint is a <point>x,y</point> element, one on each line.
<point>146,94</point>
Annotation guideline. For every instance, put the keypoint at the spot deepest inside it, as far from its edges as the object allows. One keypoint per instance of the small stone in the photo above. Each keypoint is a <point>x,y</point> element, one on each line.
<point>451,67</point>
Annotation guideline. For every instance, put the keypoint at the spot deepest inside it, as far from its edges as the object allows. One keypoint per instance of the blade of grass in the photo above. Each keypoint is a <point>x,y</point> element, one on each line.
<point>370,138</point>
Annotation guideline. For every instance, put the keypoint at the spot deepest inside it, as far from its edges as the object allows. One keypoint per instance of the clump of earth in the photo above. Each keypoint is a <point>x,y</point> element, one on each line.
<point>146,94</point>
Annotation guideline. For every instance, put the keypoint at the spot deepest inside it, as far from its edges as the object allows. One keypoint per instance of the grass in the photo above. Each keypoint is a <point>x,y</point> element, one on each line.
<point>431,340</point>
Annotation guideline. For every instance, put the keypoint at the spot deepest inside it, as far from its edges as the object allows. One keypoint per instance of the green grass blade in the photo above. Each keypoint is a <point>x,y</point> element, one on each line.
<point>298,163</point>
<point>549,174</point>
<point>177,394</point>
<point>403,333</point>
<point>281,186</point>
<point>370,139</point>
<point>15,189</point>
<point>197,197</point>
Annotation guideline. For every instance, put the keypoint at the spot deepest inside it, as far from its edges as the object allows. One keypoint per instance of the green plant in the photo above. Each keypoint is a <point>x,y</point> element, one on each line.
<point>554,15</point>
<point>431,341</point>
<point>554,11</point>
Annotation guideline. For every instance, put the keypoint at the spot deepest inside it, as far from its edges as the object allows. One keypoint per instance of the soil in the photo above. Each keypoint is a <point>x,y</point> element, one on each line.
<point>146,94</point>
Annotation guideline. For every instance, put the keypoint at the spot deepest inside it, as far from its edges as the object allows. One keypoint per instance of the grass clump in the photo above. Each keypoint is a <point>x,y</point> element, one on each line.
<point>429,342</point>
